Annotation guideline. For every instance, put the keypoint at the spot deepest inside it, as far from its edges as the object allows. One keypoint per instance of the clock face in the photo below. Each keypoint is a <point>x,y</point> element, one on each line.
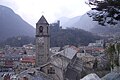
<point>41,29</point>
<point>41,40</point>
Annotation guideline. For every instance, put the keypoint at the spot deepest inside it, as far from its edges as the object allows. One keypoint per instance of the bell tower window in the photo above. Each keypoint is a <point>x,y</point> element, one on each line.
<point>41,29</point>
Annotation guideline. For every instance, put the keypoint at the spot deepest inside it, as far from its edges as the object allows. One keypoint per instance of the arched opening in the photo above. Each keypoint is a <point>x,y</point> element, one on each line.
<point>41,29</point>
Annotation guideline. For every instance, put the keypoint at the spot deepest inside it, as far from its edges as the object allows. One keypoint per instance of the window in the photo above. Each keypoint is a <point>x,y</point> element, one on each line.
<point>51,70</point>
<point>40,29</point>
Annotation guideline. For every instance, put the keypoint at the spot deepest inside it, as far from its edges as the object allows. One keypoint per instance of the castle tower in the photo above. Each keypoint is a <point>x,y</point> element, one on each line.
<point>42,41</point>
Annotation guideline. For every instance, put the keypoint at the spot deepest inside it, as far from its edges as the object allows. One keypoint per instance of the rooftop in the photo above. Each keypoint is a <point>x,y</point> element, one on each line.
<point>42,20</point>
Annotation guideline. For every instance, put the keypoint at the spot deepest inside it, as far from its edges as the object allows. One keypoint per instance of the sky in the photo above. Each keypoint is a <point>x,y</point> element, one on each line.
<point>31,10</point>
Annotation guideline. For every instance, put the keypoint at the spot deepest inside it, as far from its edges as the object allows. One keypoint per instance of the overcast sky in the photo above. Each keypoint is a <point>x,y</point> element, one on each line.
<point>31,10</point>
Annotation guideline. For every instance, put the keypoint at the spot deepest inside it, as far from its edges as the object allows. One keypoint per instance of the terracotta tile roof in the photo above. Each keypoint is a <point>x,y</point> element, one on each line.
<point>28,60</point>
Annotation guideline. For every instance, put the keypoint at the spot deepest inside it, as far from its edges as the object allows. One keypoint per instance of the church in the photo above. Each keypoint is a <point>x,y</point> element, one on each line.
<point>42,51</point>
<point>42,41</point>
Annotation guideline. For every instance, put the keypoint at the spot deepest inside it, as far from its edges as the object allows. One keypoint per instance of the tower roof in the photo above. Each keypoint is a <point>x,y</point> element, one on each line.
<point>42,20</point>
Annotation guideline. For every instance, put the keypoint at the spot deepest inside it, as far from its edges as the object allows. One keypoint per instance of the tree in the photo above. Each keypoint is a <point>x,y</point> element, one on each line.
<point>110,51</point>
<point>106,11</point>
<point>113,51</point>
<point>117,49</point>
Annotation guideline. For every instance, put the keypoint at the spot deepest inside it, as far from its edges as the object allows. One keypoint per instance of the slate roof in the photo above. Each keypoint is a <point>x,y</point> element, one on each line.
<point>68,53</point>
<point>60,62</point>
<point>81,55</point>
<point>112,76</point>
<point>42,20</point>
<point>71,74</point>
<point>91,76</point>
<point>54,49</point>
<point>33,74</point>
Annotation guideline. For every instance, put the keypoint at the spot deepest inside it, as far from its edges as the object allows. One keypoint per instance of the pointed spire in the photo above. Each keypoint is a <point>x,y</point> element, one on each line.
<point>42,20</point>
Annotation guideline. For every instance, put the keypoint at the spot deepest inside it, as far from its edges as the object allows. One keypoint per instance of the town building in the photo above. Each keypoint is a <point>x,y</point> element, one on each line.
<point>55,26</point>
<point>42,41</point>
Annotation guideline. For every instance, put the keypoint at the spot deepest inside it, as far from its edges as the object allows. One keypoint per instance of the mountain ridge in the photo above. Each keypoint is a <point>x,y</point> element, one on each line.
<point>82,22</point>
<point>12,24</point>
<point>86,23</point>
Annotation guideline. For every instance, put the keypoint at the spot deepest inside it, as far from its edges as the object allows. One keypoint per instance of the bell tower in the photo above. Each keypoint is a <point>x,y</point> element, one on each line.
<point>42,41</point>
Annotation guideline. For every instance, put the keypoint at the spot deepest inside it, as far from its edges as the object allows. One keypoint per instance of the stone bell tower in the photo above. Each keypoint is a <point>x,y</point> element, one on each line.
<point>42,41</point>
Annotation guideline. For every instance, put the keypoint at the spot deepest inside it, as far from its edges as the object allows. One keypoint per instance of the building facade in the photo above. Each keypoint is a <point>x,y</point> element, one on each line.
<point>42,41</point>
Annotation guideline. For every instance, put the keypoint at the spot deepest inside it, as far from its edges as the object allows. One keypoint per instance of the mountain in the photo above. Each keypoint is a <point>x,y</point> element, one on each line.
<point>12,24</point>
<point>68,22</point>
<point>86,23</point>
<point>82,22</point>
<point>72,36</point>
<point>17,41</point>
<point>62,37</point>
<point>107,30</point>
